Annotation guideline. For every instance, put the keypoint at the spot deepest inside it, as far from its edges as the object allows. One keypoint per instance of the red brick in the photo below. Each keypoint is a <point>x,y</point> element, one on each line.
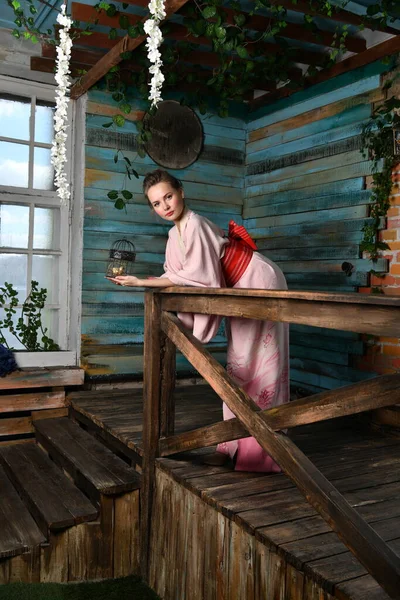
<point>387,280</point>
<point>393,223</point>
<point>395,269</point>
<point>389,235</point>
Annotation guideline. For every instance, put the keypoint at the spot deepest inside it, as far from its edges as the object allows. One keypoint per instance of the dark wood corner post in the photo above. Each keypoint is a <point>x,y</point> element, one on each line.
<point>158,410</point>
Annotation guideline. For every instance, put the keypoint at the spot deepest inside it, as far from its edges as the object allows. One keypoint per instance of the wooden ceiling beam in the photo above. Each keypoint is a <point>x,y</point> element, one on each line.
<point>339,14</point>
<point>387,48</point>
<point>297,32</point>
<point>87,14</point>
<point>113,57</point>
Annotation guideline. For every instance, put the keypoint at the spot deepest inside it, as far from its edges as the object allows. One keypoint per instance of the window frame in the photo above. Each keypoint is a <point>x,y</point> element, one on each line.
<point>68,306</point>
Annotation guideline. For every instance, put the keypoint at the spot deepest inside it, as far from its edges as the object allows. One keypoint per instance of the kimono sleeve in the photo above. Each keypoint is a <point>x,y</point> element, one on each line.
<point>201,267</point>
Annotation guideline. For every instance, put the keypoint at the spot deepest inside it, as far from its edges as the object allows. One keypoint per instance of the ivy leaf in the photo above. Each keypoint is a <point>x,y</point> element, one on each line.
<point>220,32</point>
<point>116,157</point>
<point>133,31</point>
<point>240,20</point>
<point>119,120</point>
<point>125,107</point>
<point>209,12</point>
<point>141,151</point>
<point>242,52</point>
<point>113,195</point>
<point>106,125</point>
<point>135,173</point>
<point>119,204</point>
<point>112,34</point>
<point>127,195</point>
<point>117,96</point>
<point>111,10</point>
<point>33,9</point>
<point>127,161</point>
<point>16,33</point>
<point>124,22</point>
<point>16,4</point>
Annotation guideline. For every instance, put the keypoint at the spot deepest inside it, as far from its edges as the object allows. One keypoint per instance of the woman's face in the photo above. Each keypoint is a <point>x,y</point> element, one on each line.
<point>167,201</point>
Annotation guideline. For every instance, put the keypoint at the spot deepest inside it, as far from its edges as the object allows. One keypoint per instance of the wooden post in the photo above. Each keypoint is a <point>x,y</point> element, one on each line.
<point>151,418</point>
<point>168,368</point>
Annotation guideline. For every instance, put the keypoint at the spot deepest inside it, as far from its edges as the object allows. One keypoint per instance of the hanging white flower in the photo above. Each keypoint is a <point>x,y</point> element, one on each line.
<point>154,41</point>
<point>59,149</point>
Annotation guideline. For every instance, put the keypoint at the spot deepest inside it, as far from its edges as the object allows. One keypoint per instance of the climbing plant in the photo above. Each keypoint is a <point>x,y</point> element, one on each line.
<point>377,144</point>
<point>240,66</point>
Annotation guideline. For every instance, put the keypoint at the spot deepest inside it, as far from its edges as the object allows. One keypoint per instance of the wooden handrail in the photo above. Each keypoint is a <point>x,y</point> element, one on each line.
<point>350,312</point>
<point>353,530</point>
<point>347,312</point>
<point>348,400</point>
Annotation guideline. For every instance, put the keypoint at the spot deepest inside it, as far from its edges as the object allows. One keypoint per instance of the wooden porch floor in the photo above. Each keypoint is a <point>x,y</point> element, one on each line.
<point>361,463</point>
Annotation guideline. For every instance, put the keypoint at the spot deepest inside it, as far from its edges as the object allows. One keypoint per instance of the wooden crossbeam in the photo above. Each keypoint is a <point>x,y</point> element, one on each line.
<point>387,48</point>
<point>113,57</point>
<point>348,400</point>
<point>175,31</point>
<point>347,312</point>
<point>376,556</point>
<point>338,14</point>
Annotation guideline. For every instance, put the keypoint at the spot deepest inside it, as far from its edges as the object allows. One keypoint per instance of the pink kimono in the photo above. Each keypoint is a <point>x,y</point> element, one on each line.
<point>258,351</point>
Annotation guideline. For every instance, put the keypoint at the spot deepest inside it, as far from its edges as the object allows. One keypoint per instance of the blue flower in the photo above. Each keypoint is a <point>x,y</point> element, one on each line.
<point>7,361</point>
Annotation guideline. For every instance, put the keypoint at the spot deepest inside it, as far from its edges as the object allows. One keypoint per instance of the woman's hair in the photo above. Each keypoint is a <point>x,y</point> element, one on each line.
<point>159,176</point>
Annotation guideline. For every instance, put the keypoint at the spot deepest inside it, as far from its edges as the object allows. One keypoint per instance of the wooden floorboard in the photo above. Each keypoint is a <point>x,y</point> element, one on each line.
<point>363,464</point>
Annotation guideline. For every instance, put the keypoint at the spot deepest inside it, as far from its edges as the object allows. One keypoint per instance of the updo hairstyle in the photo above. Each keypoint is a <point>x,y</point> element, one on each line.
<point>159,176</point>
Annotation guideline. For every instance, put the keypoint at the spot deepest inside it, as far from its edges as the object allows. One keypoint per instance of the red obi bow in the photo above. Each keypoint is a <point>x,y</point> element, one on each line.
<point>239,233</point>
<point>238,253</point>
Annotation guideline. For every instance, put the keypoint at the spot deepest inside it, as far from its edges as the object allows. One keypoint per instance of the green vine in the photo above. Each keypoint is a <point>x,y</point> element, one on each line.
<point>240,63</point>
<point>377,143</point>
<point>28,330</point>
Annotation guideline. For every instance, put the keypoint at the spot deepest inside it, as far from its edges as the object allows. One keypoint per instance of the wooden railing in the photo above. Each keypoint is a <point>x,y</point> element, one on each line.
<point>378,315</point>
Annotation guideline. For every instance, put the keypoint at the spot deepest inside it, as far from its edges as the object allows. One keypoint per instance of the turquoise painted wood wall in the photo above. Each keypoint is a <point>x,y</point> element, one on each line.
<point>306,200</point>
<point>112,317</point>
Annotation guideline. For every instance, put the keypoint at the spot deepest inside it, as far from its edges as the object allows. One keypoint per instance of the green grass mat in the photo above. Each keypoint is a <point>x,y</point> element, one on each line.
<point>126,588</point>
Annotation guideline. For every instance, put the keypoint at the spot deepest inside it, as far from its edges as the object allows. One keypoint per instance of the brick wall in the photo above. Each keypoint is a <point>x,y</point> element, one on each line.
<point>383,354</point>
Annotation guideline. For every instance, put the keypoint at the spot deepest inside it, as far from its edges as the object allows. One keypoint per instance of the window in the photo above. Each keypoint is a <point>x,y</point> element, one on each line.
<point>34,227</point>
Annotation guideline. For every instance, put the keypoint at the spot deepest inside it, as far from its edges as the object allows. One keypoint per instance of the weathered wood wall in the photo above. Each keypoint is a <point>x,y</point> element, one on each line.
<point>306,201</point>
<point>112,317</point>
<point>198,553</point>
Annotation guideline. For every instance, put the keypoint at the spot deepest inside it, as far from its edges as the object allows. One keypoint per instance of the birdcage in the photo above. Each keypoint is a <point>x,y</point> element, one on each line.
<point>122,258</point>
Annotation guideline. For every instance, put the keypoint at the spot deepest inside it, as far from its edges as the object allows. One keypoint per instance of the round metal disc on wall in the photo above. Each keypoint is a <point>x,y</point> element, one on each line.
<point>176,135</point>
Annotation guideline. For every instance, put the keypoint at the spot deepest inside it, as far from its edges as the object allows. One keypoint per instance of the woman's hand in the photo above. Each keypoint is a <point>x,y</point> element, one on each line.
<point>126,280</point>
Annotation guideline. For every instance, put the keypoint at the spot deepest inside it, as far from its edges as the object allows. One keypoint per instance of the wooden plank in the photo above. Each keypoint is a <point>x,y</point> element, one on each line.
<point>382,50</point>
<point>359,397</point>
<point>54,558</point>
<point>87,460</point>
<point>51,497</point>
<point>33,378</point>
<point>126,535</point>
<point>360,538</point>
<point>300,124</point>
<point>167,400</point>
<point>19,532</point>
<point>113,57</point>
<point>151,420</point>
<point>33,401</point>
<point>336,312</point>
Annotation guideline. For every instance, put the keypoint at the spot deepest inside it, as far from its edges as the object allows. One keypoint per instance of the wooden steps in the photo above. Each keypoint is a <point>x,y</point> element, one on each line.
<point>69,508</point>
<point>92,466</point>
<point>53,500</point>
<point>19,532</point>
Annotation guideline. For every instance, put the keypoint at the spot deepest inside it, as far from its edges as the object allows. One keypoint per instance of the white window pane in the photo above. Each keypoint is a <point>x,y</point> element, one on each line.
<point>13,269</point>
<point>44,129</point>
<point>43,171</point>
<point>50,322</point>
<point>14,226</point>
<point>14,161</point>
<point>11,340</point>
<point>45,272</point>
<point>44,228</point>
<point>14,117</point>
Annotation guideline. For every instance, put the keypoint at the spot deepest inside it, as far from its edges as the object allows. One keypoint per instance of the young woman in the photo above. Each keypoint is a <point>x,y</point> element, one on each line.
<point>199,254</point>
